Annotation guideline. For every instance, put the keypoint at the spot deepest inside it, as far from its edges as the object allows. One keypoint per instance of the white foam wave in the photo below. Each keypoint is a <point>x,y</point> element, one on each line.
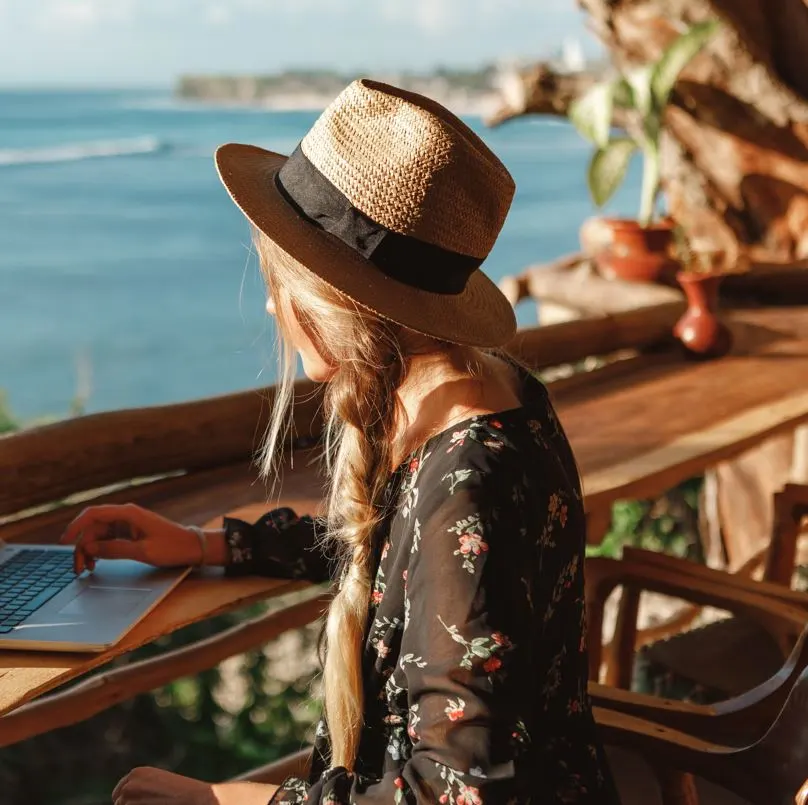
<point>72,152</point>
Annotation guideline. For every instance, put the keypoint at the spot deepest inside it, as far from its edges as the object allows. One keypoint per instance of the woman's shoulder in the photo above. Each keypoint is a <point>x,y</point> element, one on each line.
<point>496,437</point>
<point>482,455</point>
<point>489,453</point>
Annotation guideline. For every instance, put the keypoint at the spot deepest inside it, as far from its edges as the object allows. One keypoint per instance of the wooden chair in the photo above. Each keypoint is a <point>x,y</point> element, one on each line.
<point>772,770</point>
<point>737,722</point>
<point>777,613</point>
<point>683,654</point>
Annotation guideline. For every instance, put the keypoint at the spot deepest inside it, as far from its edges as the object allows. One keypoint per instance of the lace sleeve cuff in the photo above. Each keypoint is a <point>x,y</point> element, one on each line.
<point>292,790</point>
<point>280,545</point>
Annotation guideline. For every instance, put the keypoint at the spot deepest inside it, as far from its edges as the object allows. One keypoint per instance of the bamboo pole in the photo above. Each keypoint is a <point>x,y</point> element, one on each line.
<point>48,463</point>
<point>110,688</point>
<point>571,341</point>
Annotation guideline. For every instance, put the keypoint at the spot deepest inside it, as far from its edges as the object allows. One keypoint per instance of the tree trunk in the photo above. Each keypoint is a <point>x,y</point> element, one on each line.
<point>736,155</point>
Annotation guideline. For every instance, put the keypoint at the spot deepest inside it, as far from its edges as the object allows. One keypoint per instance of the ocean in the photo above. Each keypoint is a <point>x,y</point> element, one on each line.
<point>125,270</point>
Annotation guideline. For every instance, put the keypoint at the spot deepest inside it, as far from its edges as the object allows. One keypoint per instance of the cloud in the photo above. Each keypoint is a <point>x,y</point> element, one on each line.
<point>434,17</point>
<point>83,13</point>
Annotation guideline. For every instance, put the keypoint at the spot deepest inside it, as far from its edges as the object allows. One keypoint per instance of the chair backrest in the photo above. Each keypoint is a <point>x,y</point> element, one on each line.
<point>735,580</point>
<point>738,722</point>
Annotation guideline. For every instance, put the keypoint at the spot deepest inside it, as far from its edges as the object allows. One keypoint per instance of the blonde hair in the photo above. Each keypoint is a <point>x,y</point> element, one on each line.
<point>362,411</point>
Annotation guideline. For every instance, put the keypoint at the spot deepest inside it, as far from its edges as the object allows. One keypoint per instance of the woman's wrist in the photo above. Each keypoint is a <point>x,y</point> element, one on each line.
<point>217,553</point>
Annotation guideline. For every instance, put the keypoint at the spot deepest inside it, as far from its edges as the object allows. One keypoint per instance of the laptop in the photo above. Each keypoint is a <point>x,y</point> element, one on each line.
<point>44,605</point>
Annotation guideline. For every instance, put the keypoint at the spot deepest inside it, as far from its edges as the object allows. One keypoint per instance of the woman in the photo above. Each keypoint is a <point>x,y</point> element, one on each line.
<point>456,668</point>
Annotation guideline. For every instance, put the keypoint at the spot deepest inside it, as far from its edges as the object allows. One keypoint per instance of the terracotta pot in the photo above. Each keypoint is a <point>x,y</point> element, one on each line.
<point>636,253</point>
<point>700,330</point>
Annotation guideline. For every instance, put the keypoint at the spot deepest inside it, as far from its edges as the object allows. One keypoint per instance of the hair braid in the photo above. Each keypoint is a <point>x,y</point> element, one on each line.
<point>362,407</point>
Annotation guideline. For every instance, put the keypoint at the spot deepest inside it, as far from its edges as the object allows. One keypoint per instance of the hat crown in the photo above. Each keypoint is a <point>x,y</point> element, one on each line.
<point>411,166</point>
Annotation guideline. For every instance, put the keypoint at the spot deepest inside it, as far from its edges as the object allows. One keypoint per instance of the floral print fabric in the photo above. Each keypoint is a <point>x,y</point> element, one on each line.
<point>475,662</point>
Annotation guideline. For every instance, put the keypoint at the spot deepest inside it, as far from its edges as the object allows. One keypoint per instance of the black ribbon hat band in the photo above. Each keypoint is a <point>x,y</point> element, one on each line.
<point>404,258</point>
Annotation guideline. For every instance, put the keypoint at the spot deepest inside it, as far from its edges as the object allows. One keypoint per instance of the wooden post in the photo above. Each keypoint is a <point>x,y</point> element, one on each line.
<point>594,636</point>
<point>621,664</point>
<point>799,461</point>
<point>785,533</point>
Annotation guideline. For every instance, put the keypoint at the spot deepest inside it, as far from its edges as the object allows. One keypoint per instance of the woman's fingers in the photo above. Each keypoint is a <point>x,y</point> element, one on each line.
<point>129,532</point>
<point>99,525</point>
<point>89,550</point>
<point>100,514</point>
<point>99,541</point>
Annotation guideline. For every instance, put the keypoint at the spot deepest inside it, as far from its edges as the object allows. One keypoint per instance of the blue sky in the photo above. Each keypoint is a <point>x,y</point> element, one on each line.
<point>150,42</point>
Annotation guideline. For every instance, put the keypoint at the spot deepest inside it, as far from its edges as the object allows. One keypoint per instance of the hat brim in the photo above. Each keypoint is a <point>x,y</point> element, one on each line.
<point>480,315</point>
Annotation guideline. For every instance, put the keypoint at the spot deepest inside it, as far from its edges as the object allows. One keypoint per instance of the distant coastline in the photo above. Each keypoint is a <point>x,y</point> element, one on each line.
<point>466,92</point>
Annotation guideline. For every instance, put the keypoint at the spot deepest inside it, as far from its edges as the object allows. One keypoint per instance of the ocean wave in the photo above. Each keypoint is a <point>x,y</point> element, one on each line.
<point>73,152</point>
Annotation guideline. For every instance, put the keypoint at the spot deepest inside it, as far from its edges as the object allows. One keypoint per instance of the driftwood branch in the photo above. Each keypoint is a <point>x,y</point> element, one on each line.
<point>49,463</point>
<point>540,90</point>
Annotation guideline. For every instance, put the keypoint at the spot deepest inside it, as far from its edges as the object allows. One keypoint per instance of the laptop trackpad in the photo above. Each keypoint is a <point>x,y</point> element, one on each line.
<point>98,601</point>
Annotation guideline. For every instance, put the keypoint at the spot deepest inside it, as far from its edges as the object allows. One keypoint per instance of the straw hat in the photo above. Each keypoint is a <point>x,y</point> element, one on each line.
<point>392,200</point>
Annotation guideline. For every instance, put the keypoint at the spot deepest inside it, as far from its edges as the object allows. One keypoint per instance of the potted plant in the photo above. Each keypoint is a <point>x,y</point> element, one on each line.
<point>637,249</point>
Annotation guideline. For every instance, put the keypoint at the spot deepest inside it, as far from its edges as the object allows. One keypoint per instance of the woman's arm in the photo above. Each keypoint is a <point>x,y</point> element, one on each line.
<point>280,544</point>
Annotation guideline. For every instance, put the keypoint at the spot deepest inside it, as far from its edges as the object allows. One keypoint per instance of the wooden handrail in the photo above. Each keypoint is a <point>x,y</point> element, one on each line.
<point>571,341</point>
<point>48,463</point>
<point>683,568</point>
<point>112,687</point>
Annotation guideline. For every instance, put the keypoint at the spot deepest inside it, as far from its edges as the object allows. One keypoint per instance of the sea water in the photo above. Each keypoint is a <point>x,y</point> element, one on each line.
<point>125,269</point>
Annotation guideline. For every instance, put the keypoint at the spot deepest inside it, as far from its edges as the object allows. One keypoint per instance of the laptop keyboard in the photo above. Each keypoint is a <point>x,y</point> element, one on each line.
<point>29,579</point>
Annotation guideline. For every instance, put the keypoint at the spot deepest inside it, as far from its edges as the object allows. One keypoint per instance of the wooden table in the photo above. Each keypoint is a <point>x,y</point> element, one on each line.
<point>638,428</point>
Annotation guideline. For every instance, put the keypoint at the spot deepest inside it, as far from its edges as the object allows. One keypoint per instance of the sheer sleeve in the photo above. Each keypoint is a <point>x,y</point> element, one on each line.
<point>463,663</point>
<point>280,544</point>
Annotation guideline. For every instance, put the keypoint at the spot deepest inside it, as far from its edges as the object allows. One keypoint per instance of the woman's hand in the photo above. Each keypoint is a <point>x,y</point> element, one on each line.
<point>129,532</point>
<point>148,786</point>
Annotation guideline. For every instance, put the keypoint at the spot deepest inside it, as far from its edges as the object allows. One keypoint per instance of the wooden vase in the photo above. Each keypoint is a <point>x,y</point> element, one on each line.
<point>700,330</point>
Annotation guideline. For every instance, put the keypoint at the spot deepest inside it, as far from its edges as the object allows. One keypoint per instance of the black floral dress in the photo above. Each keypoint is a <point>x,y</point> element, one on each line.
<point>475,663</point>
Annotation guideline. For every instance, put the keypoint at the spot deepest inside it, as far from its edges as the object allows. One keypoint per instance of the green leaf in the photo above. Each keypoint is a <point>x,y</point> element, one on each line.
<point>591,114</point>
<point>608,168</point>
<point>639,79</point>
<point>677,57</point>
<point>623,95</point>
<point>481,651</point>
